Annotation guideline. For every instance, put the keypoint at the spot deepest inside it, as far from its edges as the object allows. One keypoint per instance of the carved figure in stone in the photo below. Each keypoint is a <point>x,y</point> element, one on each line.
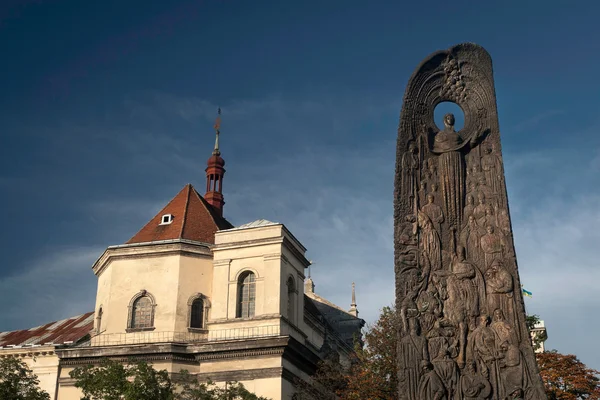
<point>430,241</point>
<point>441,339</point>
<point>493,245</point>
<point>474,386</point>
<point>410,165</point>
<point>469,207</point>
<point>434,190</point>
<point>479,210</point>
<point>511,369</point>
<point>413,351</point>
<point>484,352</point>
<point>434,212</point>
<point>446,369</point>
<point>462,283</point>
<point>431,386</point>
<point>423,193</point>
<point>504,223</point>
<point>504,332</point>
<point>489,219</point>
<point>499,290</point>
<point>473,175</point>
<point>454,253</point>
<point>429,306</point>
<point>492,169</point>
<point>448,144</point>
<point>470,239</point>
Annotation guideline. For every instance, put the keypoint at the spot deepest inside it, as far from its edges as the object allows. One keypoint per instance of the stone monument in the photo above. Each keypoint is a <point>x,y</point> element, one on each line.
<point>462,333</point>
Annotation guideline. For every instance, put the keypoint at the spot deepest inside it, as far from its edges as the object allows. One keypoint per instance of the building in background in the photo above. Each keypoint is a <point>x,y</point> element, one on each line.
<point>191,291</point>
<point>539,331</point>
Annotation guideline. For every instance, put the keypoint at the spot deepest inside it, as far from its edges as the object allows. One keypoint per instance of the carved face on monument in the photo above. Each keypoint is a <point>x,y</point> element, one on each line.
<point>483,320</point>
<point>490,229</point>
<point>470,200</point>
<point>430,199</point>
<point>498,315</point>
<point>449,121</point>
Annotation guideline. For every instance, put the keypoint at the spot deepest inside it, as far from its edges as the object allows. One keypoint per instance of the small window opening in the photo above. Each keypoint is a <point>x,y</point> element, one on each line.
<point>166,219</point>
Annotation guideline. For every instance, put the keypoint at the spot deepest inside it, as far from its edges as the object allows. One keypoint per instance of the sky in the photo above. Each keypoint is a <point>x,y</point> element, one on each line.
<point>107,108</point>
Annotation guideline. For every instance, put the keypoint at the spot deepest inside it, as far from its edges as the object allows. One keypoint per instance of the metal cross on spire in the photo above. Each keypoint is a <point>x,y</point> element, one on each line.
<point>217,127</point>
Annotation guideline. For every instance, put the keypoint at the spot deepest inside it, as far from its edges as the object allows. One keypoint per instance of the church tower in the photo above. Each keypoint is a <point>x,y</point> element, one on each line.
<point>214,173</point>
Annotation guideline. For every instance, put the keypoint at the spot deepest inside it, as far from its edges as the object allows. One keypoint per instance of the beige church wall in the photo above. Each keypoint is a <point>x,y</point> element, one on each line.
<point>195,276</point>
<point>42,361</point>
<point>270,388</point>
<point>159,276</point>
<point>208,367</point>
<point>103,301</point>
<point>228,267</point>
<point>66,388</point>
<point>69,393</point>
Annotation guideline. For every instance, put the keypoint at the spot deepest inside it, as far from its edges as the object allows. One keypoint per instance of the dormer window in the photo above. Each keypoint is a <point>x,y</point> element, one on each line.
<point>166,219</point>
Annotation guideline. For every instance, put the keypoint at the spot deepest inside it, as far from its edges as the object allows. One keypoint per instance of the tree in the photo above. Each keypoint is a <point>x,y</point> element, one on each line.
<point>18,382</point>
<point>567,378</point>
<point>112,380</point>
<point>372,373</point>
<point>192,389</point>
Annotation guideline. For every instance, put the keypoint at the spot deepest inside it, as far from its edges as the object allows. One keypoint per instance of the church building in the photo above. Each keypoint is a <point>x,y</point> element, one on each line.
<point>192,291</point>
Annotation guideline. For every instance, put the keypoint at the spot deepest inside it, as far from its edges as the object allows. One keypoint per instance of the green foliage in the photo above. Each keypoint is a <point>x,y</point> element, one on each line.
<point>112,380</point>
<point>192,389</point>
<point>17,381</point>
<point>538,337</point>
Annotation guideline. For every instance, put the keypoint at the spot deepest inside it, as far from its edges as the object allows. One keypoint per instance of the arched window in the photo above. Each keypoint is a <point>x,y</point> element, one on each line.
<point>291,299</point>
<point>246,295</point>
<point>198,306</point>
<point>197,313</point>
<point>141,312</point>
<point>99,321</point>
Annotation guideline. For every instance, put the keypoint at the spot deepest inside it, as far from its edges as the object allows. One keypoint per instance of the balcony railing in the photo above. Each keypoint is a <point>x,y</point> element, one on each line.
<point>114,339</point>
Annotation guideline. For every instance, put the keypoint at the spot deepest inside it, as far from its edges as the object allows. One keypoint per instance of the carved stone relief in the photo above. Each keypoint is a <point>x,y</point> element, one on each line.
<point>463,332</point>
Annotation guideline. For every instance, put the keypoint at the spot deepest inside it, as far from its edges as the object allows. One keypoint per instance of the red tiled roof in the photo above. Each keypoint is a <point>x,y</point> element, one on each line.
<point>193,219</point>
<point>68,330</point>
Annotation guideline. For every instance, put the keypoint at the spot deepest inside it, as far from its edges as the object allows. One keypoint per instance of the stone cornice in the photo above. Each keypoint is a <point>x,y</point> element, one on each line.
<point>152,249</point>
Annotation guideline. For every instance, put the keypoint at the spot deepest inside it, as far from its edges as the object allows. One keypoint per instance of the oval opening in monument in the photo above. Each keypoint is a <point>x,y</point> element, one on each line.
<point>452,108</point>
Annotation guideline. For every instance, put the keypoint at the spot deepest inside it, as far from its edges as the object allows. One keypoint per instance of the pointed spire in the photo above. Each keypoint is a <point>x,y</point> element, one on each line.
<point>214,172</point>
<point>216,151</point>
<point>353,310</point>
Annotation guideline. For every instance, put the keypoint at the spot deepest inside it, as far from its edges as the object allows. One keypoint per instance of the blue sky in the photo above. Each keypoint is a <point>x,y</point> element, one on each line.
<point>106,111</point>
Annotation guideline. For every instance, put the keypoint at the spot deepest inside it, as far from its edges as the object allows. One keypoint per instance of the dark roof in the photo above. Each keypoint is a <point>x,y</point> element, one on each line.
<point>193,219</point>
<point>58,332</point>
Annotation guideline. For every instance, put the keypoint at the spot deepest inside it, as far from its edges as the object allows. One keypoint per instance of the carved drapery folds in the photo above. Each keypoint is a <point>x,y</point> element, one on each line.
<point>463,332</point>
